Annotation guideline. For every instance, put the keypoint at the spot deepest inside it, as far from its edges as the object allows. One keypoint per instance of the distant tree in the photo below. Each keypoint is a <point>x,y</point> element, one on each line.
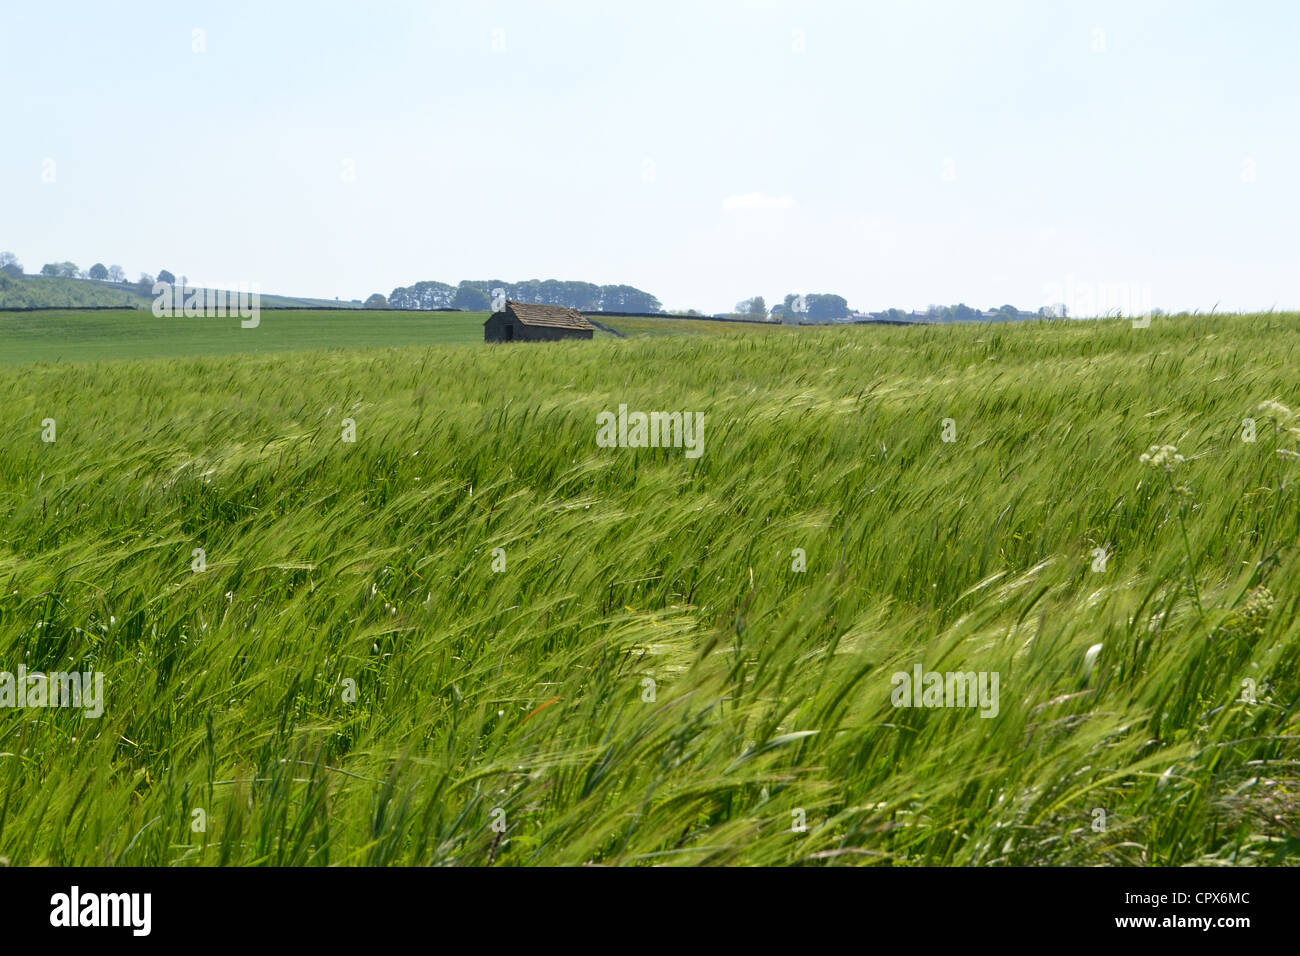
<point>376,301</point>
<point>757,306</point>
<point>144,285</point>
<point>1008,310</point>
<point>422,295</point>
<point>824,307</point>
<point>116,274</point>
<point>961,312</point>
<point>583,296</point>
<point>10,265</point>
<point>165,276</point>
<point>62,270</point>
<point>471,299</point>
<point>621,298</point>
<point>98,271</point>
<point>785,312</point>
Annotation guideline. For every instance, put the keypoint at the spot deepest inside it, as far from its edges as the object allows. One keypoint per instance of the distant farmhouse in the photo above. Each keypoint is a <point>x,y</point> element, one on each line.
<point>526,322</point>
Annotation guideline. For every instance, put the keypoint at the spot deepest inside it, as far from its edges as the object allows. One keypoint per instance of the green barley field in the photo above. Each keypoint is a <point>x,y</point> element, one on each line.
<point>473,636</point>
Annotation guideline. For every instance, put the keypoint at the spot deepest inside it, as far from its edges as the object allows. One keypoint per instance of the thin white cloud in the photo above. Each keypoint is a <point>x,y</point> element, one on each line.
<point>749,202</point>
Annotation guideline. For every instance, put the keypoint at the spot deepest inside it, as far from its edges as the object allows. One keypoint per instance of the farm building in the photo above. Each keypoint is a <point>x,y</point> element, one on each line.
<point>527,322</point>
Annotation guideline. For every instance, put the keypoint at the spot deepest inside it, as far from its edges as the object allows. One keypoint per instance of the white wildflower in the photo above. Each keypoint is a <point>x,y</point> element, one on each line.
<point>1276,411</point>
<point>1162,456</point>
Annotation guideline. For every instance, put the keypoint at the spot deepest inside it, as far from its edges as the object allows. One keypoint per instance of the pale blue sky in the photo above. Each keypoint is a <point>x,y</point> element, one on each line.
<point>912,153</point>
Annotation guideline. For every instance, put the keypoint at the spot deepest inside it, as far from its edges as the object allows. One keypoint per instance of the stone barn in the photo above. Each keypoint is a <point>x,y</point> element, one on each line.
<point>526,322</point>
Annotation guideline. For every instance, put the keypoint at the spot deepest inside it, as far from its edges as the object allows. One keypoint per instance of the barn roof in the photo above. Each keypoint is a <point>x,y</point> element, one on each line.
<point>554,316</point>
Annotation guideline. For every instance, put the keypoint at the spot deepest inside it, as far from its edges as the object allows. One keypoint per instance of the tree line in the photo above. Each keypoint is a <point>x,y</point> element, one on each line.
<point>814,307</point>
<point>11,267</point>
<point>818,307</point>
<point>476,295</point>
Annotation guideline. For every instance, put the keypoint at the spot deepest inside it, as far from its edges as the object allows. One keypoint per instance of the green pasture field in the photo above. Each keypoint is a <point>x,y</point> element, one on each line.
<point>638,325</point>
<point>473,636</point>
<point>135,333</point>
<point>51,292</point>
